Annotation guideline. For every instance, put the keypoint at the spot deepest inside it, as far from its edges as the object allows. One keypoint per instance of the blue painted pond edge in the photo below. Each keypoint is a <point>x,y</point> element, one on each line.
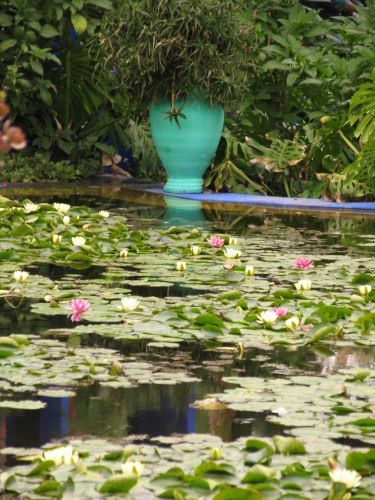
<point>270,201</point>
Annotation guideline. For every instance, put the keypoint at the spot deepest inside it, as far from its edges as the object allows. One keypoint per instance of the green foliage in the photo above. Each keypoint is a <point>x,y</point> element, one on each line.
<point>49,67</point>
<point>169,49</point>
<point>362,111</point>
<point>313,86</point>
<point>20,168</point>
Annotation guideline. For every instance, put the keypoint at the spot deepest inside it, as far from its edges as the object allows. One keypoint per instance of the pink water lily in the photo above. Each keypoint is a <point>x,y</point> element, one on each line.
<point>78,307</point>
<point>216,241</point>
<point>280,311</point>
<point>303,263</point>
<point>228,266</point>
<point>305,328</point>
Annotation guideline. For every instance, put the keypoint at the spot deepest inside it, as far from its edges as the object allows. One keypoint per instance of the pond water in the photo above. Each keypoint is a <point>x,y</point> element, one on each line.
<point>152,409</point>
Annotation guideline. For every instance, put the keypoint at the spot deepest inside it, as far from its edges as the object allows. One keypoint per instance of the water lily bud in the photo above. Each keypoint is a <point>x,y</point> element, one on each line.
<point>356,298</point>
<point>195,249</point>
<point>86,227</point>
<point>239,309</point>
<point>249,270</point>
<point>181,265</point>
<point>48,298</point>
<point>325,119</point>
<point>66,220</point>
<point>364,289</point>
<point>331,463</point>
<point>240,349</point>
<point>123,253</point>
<point>56,238</point>
<point>216,453</point>
<point>292,323</point>
<point>115,369</point>
<point>20,276</point>
<point>233,240</point>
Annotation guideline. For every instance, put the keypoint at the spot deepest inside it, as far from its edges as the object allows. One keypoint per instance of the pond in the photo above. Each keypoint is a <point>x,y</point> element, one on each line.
<point>236,369</point>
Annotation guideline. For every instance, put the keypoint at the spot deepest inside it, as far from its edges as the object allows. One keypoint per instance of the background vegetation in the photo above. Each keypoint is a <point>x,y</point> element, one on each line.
<point>305,124</point>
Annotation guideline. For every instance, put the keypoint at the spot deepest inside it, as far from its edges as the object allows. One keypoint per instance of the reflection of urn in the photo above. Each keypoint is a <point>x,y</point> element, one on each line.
<point>181,212</point>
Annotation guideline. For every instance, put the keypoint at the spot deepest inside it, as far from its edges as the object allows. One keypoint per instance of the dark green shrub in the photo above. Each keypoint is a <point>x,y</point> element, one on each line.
<point>162,48</point>
<point>19,168</point>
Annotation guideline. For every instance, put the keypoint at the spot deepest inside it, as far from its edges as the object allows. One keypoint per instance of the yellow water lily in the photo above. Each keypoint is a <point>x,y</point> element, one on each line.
<point>128,304</point>
<point>249,270</point>
<point>232,253</point>
<point>364,289</point>
<point>181,265</point>
<point>349,477</point>
<point>303,285</point>
<point>30,208</point>
<point>123,253</point>
<point>20,276</point>
<point>61,455</point>
<point>195,249</point>
<point>292,323</point>
<point>79,241</point>
<point>56,238</point>
<point>267,317</point>
<point>132,468</point>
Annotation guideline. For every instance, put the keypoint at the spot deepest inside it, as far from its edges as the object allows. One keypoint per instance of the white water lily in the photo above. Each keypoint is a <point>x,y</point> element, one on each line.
<point>104,214</point>
<point>66,220</point>
<point>128,304</point>
<point>364,289</point>
<point>232,253</point>
<point>61,455</point>
<point>233,240</point>
<point>20,276</point>
<point>249,270</point>
<point>349,477</point>
<point>123,253</point>
<point>30,208</point>
<point>132,468</point>
<point>195,249</point>
<point>181,265</point>
<point>78,241</point>
<point>56,238</point>
<point>292,323</point>
<point>63,208</point>
<point>267,317</point>
<point>303,285</point>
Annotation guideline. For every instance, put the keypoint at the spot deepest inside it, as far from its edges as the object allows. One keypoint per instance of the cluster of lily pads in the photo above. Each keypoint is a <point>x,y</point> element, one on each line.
<point>193,466</point>
<point>179,287</point>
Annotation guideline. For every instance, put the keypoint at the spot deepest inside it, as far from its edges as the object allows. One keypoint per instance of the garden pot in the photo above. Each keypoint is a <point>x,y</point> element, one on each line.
<point>186,148</point>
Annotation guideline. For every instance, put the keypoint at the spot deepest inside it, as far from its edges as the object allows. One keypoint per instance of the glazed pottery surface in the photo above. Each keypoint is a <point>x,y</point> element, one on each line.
<point>186,148</point>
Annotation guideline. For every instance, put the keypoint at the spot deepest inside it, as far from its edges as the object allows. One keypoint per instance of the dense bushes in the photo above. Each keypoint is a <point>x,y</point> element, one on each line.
<point>305,136</point>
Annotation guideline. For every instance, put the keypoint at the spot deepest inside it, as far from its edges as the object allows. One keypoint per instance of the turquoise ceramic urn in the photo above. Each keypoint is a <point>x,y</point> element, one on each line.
<point>186,148</point>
